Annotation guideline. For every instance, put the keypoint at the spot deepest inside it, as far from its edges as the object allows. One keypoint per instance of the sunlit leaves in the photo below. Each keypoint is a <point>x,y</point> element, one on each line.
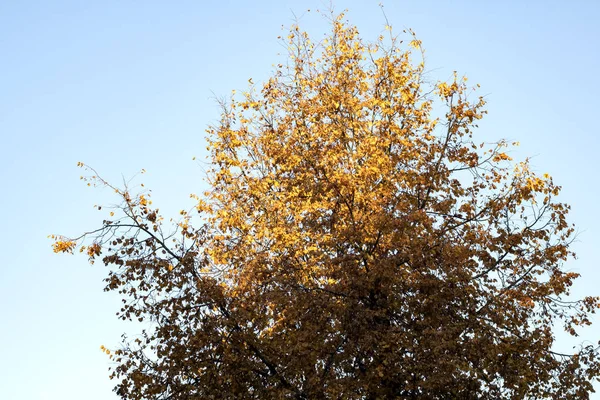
<point>62,245</point>
<point>357,242</point>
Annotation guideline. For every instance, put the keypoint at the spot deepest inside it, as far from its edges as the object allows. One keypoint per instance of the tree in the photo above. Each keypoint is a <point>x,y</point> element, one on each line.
<point>356,243</point>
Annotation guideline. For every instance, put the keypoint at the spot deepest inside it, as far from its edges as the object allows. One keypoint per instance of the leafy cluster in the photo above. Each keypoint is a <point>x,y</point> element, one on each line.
<point>353,245</point>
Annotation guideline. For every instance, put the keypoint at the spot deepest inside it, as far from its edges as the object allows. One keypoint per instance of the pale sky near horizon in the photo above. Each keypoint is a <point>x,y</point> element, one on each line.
<point>125,85</point>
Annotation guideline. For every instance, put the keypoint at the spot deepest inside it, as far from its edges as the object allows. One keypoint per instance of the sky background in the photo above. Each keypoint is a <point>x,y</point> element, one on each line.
<point>125,85</point>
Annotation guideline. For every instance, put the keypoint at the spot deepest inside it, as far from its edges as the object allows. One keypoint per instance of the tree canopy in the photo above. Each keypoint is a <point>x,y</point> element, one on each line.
<point>357,242</point>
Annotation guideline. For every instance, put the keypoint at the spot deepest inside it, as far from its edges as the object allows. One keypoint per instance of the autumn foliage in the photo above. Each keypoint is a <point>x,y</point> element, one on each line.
<point>357,242</point>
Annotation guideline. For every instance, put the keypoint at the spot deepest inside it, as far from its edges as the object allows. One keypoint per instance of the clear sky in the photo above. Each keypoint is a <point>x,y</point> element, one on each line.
<point>124,85</point>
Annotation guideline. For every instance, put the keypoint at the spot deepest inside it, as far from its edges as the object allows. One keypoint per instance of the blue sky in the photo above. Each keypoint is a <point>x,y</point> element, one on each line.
<point>125,85</point>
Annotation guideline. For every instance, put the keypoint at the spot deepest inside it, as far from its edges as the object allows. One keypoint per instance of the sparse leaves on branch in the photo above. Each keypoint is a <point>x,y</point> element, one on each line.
<point>357,243</point>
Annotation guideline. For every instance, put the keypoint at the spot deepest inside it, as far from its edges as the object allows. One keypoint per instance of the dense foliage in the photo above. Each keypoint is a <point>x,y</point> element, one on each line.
<point>356,243</point>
